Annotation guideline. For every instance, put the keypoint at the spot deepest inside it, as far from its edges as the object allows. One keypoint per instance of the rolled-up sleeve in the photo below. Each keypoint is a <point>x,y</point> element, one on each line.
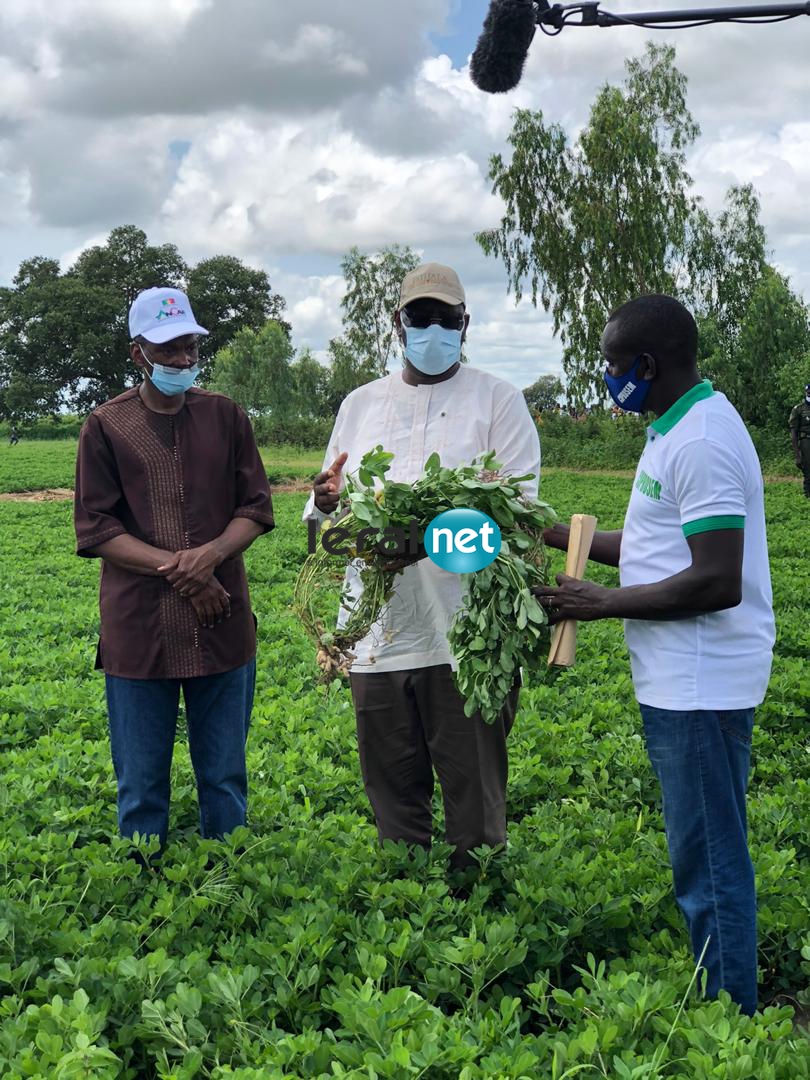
<point>253,499</point>
<point>97,491</point>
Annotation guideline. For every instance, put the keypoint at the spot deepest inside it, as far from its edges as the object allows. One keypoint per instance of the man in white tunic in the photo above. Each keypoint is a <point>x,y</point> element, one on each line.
<point>410,716</point>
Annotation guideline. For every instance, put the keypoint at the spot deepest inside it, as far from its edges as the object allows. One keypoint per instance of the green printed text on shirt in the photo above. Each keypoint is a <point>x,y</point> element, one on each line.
<point>649,487</point>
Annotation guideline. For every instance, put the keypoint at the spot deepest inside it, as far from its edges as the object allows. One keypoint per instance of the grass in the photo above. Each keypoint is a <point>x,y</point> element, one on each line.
<point>37,465</point>
<point>51,463</point>
<point>288,957</point>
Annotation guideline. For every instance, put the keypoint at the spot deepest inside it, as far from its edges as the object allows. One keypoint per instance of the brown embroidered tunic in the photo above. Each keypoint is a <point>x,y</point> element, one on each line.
<point>173,482</point>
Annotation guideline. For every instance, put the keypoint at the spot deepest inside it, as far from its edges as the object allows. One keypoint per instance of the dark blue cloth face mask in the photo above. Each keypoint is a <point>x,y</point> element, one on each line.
<point>628,391</point>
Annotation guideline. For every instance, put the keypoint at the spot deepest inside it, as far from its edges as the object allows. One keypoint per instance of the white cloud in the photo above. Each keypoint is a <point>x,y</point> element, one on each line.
<point>315,187</point>
<point>315,126</point>
<point>313,306</point>
<point>69,257</point>
<point>776,162</point>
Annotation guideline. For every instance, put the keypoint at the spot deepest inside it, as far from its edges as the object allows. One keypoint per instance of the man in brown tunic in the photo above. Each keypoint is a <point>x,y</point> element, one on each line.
<point>170,490</point>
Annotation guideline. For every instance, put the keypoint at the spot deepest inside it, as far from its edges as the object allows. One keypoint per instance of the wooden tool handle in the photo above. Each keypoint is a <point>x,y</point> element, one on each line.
<point>564,636</point>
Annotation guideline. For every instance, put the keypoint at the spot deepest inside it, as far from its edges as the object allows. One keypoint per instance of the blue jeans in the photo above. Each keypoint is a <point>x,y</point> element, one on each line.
<point>701,759</point>
<point>143,720</point>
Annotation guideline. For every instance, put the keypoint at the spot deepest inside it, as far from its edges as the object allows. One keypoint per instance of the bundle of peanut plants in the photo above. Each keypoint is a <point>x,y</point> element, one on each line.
<point>499,628</point>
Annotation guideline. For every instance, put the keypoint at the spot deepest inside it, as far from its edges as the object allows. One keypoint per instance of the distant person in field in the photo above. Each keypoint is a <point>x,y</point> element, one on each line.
<point>14,438</point>
<point>170,490</point>
<point>799,424</point>
<point>410,716</point>
<point>696,599</point>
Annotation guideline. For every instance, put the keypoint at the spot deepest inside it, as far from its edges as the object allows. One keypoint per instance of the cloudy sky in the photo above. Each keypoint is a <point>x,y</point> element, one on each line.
<point>284,133</point>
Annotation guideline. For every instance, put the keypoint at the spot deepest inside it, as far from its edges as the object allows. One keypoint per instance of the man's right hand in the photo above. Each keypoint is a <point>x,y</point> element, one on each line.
<point>327,485</point>
<point>212,604</point>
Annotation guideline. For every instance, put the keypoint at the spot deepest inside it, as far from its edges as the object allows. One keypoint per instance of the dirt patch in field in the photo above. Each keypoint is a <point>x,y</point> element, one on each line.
<point>47,495</point>
<point>298,486</point>
<point>63,494</point>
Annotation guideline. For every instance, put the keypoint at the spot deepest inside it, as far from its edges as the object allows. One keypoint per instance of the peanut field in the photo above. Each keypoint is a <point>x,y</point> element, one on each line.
<point>299,947</point>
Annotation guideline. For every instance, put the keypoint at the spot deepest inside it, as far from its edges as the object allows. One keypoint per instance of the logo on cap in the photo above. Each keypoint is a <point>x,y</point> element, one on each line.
<point>431,277</point>
<point>171,305</point>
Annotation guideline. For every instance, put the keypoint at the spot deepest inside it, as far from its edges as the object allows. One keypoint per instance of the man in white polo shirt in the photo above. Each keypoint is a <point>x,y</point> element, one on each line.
<point>696,599</point>
<point>410,717</point>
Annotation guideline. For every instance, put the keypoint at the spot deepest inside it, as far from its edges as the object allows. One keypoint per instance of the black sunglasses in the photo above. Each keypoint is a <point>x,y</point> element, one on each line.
<point>419,320</point>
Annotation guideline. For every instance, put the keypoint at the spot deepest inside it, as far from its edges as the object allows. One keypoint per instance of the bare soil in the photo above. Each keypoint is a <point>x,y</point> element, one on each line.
<point>301,486</point>
<point>63,494</point>
<point>47,495</point>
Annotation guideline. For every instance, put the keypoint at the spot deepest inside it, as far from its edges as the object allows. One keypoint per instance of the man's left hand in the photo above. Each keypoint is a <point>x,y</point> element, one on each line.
<point>574,599</point>
<point>190,571</point>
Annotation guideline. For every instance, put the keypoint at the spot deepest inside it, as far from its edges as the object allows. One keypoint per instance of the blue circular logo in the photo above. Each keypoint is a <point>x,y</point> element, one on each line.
<point>462,541</point>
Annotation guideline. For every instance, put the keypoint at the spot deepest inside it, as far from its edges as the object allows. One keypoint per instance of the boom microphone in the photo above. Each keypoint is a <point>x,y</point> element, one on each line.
<point>497,63</point>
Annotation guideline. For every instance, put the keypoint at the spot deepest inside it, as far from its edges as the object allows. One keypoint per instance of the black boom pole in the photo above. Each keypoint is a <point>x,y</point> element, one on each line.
<point>496,66</point>
<point>559,16</point>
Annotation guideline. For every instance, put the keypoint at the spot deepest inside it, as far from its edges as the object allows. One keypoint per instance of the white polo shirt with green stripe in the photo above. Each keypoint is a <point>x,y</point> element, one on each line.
<point>699,471</point>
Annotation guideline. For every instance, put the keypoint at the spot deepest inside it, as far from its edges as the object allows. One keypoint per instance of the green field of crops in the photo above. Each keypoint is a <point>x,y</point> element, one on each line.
<point>51,463</point>
<point>302,949</point>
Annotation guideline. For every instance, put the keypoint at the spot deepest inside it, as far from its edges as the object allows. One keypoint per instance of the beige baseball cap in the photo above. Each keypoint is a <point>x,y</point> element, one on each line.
<point>433,280</point>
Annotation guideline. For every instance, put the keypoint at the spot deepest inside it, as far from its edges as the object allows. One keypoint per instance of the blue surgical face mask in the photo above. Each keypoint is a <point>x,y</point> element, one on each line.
<point>432,350</point>
<point>168,380</point>
<point>629,391</point>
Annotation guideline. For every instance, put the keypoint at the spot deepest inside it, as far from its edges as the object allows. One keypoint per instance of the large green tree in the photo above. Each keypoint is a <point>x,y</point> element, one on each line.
<point>228,296</point>
<point>727,259</point>
<point>364,350</point>
<point>346,373</point>
<point>54,342</point>
<point>64,337</point>
<point>126,263</point>
<point>589,225</point>
<point>371,297</point>
<point>544,393</point>
<point>754,330</point>
<point>255,370</point>
<point>761,366</point>
<point>311,386</point>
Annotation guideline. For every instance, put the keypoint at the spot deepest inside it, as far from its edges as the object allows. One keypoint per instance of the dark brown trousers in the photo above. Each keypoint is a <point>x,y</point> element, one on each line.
<point>410,722</point>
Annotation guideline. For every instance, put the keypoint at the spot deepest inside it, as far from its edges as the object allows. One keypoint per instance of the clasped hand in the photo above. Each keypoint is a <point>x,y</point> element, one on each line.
<point>191,573</point>
<point>191,570</point>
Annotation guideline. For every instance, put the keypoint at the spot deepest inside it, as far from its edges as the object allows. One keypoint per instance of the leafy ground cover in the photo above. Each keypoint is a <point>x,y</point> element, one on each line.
<point>34,465</point>
<point>31,466</point>
<point>50,463</point>
<point>314,953</point>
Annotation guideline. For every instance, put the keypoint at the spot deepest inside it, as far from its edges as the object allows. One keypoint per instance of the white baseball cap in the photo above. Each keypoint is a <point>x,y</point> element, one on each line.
<point>162,314</point>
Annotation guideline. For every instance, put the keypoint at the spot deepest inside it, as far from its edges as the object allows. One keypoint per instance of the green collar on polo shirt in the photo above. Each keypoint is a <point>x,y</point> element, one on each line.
<point>667,421</point>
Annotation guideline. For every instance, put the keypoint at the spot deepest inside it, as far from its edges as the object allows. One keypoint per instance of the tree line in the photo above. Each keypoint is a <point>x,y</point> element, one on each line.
<point>64,336</point>
<point>588,225</point>
<point>585,227</point>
